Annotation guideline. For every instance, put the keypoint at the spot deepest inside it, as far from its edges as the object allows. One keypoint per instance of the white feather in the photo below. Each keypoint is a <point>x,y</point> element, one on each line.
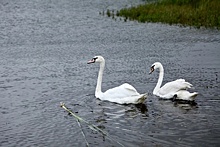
<point>176,88</point>
<point>124,94</point>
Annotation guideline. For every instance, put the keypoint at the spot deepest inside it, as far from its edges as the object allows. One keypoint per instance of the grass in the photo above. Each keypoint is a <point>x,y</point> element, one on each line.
<point>196,13</point>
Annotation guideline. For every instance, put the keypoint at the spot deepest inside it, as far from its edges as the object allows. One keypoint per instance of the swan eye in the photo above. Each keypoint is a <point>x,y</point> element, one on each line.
<point>94,59</point>
<point>151,69</point>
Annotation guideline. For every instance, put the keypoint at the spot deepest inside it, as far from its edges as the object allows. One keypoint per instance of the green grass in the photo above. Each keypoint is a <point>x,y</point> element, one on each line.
<point>196,13</point>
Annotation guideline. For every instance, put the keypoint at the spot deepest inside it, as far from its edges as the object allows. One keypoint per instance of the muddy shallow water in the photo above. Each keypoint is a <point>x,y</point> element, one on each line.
<point>44,48</point>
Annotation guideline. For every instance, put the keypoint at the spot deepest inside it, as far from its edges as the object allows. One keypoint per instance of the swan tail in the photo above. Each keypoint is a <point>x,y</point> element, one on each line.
<point>185,95</point>
<point>133,99</point>
<point>142,98</point>
<point>193,95</point>
<point>188,85</point>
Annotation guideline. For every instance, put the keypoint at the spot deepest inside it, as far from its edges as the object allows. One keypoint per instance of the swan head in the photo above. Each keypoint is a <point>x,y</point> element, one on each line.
<point>96,59</point>
<point>155,66</point>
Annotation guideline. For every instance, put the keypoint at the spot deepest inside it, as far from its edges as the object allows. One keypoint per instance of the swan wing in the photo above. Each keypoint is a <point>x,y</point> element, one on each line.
<point>125,90</point>
<point>130,88</point>
<point>137,99</point>
<point>124,94</point>
<point>183,83</point>
<point>170,88</point>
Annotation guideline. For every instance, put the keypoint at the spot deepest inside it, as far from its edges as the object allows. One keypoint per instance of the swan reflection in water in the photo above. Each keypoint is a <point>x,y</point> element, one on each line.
<point>115,116</point>
<point>142,108</point>
<point>119,110</point>
<point>183,104</point>
<point>186,105</point>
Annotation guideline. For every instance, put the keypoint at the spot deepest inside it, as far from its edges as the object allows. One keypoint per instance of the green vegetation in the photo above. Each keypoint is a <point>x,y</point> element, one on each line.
<point>185,12</point>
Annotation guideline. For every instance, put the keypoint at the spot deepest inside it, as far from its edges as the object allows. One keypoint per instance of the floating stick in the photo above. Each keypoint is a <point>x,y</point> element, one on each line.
<point>78,121</point>
<point>87,144</point>
<point>91,126</point>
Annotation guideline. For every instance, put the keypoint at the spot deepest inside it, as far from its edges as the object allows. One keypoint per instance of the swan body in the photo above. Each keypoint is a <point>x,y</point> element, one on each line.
<point>176,89</point>
<point>123,94</point>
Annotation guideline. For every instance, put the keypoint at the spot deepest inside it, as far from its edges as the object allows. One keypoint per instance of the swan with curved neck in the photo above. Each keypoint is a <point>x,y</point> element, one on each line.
<point>124,94</point>
<point>176,89</point>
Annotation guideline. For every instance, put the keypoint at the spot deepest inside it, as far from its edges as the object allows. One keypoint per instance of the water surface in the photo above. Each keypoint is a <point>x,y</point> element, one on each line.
<point>44,48</point>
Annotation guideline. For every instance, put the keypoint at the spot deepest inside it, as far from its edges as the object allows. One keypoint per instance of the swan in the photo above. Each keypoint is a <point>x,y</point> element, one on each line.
<point>124,94</point>
<point>176,89</point>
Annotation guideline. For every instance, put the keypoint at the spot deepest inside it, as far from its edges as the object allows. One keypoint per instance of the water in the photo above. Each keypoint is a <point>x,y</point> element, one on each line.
<point>44,48</point>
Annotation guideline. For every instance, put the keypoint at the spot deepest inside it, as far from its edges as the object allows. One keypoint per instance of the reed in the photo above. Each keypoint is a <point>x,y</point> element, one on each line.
<point>196,13</point>
<point>91,126</point>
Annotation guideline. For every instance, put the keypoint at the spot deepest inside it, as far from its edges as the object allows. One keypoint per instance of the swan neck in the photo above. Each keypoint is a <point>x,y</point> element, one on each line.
<point>160,79</point>
<point>98,90</point>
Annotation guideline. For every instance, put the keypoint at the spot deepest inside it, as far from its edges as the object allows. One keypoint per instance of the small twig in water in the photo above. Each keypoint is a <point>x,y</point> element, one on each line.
<point>91,126</point>
<point>78,121</point>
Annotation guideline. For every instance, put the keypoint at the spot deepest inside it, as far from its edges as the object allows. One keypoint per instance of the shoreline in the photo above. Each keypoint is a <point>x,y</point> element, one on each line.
<point>195,13</point>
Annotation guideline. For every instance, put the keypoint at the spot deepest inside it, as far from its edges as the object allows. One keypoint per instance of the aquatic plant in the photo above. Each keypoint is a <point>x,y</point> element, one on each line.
<point>108,13</point>
<point>196,13</point>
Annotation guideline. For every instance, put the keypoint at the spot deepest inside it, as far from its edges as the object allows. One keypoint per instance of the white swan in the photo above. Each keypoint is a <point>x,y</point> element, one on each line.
<point>124,94</point>
<point>175,89</point>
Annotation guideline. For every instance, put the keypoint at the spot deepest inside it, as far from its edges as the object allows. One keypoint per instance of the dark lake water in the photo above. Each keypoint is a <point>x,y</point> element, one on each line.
<point>44,48</point>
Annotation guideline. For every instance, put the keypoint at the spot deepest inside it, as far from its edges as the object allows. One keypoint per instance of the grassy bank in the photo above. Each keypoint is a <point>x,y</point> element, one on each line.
<point>185,12</point>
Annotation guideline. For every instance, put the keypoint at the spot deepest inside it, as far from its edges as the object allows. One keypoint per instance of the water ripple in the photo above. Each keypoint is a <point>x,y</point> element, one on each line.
<point>44,48</point>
